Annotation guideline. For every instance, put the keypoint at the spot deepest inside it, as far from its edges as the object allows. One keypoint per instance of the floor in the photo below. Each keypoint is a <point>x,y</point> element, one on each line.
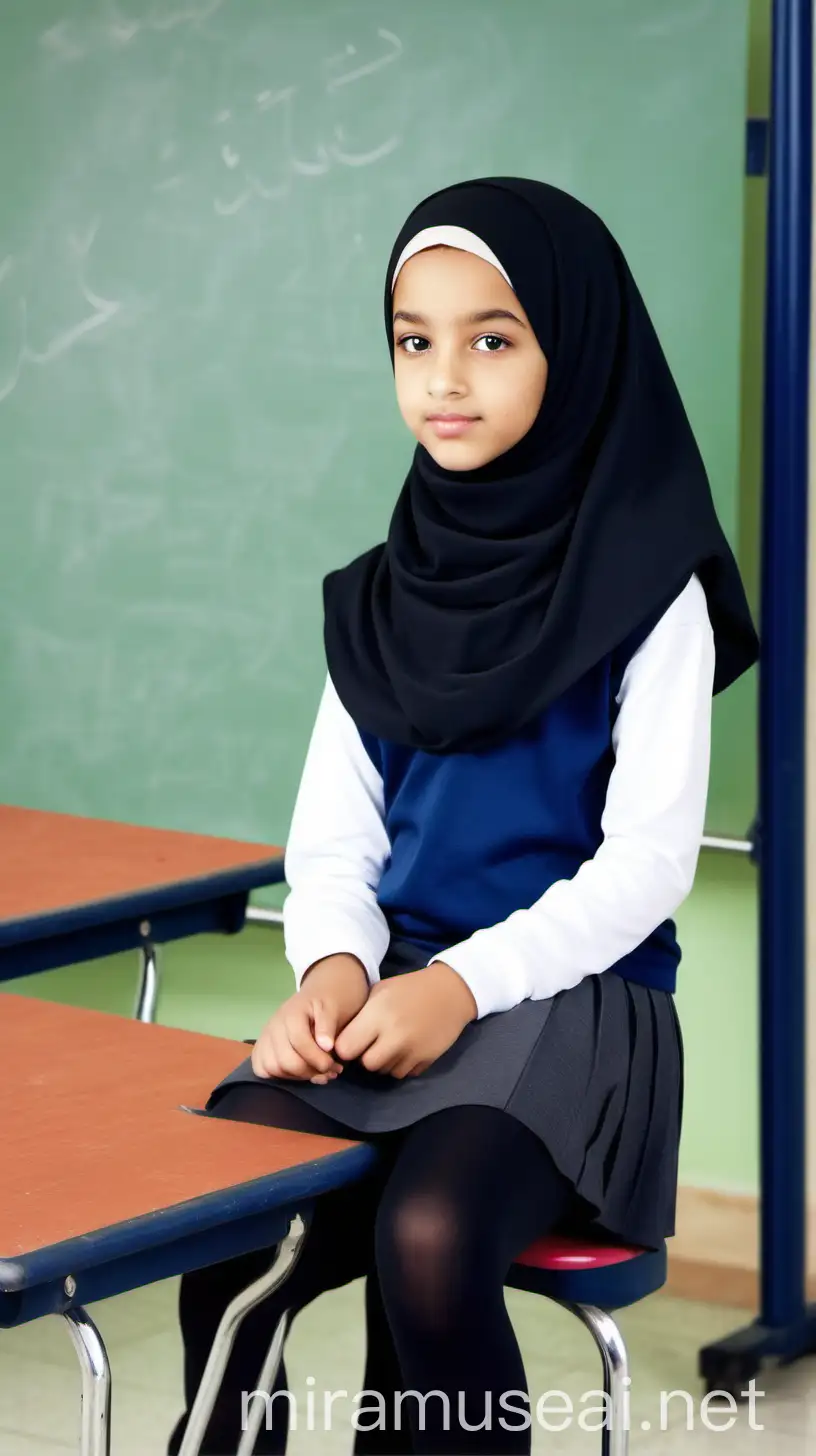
<point>39,1381</point>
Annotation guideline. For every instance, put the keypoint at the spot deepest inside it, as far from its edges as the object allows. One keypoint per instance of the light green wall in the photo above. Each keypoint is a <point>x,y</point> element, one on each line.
<point>717,1004</point>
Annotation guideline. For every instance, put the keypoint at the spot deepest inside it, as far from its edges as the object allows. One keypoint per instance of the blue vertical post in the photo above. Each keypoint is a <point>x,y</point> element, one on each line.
<point>783,672</point>
<point>786,1327</point>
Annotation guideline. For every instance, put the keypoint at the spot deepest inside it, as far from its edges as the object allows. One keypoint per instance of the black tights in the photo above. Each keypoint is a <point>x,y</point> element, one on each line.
<point>434,1229</point>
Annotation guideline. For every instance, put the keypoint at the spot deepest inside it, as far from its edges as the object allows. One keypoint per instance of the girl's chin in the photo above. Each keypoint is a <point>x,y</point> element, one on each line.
<point>455,454</point>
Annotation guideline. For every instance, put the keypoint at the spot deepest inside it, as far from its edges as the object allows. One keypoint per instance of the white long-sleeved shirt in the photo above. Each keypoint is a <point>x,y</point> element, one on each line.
<point>652,829</point>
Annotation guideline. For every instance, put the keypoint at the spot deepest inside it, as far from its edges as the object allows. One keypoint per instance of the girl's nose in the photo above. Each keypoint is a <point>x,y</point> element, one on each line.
<point>446,373</point>
<point>444,380</point>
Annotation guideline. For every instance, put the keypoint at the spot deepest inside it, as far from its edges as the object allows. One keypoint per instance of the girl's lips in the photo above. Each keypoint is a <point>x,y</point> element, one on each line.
<point>449,425</point>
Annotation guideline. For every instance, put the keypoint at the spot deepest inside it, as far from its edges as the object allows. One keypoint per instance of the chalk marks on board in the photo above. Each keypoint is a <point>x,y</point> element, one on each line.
<point>275,113</point>
<point>102,310</point>
<point>368,68</point>
<point>361,159</point>
<point>187,15</point>
<point>338,150</point>
<point>244,138</point>
<point>72,40</point>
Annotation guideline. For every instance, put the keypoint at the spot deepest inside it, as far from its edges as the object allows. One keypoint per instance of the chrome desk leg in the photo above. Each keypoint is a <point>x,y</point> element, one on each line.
<point>259,915</point>
<point>286,1257</point>
<point>148,984</point>
<point>96,1383</point>
<point>608,1338</point>
<point>266,1384</point>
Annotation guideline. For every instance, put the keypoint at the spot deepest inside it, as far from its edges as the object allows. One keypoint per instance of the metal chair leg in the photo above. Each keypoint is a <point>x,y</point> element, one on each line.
<point>608,1338</point>
<point>96,1383</point>
<point>148,993</point>
<point>265,1385</point>
<point>288,1253</point>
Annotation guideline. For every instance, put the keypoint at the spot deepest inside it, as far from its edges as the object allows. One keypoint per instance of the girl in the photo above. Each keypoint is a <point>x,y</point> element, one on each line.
<point>501,809</point>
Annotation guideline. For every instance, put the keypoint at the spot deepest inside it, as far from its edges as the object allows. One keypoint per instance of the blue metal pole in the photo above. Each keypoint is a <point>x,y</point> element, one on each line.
<point>782,671</point>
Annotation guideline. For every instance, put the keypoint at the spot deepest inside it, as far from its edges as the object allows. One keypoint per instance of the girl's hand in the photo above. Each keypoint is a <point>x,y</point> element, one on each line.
<point>298,1039</point>
<point>408,1021</point>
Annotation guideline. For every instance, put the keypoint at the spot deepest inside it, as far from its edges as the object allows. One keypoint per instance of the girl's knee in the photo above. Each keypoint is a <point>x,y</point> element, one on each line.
<point>417,1231</point>
<point>424,1265</point>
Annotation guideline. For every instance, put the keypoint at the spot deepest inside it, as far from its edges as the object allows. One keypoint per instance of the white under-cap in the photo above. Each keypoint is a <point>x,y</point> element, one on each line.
<point>451,237</point>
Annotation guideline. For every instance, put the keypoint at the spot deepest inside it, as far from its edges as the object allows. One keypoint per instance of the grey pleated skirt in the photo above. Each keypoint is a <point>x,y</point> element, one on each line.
<point>596,1072</point>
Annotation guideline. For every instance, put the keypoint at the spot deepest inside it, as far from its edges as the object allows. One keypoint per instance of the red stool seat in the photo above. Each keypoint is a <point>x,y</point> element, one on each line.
<point>588,1271</point>
<point>555,1251</point>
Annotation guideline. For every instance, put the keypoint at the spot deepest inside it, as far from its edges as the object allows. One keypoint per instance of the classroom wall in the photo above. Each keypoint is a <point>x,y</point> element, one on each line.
<point>718,986</point>
<point>746,1071</point>
<point>717,997</point>
<point>729,1082</point>
<point>191,336</point>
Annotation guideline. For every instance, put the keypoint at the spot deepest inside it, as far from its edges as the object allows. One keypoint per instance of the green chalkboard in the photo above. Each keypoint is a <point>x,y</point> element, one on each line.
<point>196,407</point>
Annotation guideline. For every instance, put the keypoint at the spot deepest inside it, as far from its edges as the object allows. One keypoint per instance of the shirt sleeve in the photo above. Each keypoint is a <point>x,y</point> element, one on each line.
<point>336,849</point>
<point>652,825</point>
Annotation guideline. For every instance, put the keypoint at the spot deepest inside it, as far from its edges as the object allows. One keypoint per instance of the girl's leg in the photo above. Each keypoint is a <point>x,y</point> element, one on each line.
<point>338,1248</point>
<point>470,1189</point>
<point>383,1375</point>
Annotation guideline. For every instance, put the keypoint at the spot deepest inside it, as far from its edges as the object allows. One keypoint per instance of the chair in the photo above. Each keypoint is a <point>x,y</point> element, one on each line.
<point>590,1279</point>
<point>584,1276</point>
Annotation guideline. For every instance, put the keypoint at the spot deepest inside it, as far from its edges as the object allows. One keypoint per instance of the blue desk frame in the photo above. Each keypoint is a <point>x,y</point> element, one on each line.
<point>85,932</point>
<point>62,1278</point>
<point>140,919</point>
<point>192,1235</point>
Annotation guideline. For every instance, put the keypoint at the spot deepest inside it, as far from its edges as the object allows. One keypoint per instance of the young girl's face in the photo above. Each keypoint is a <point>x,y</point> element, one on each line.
<point>470,373</point>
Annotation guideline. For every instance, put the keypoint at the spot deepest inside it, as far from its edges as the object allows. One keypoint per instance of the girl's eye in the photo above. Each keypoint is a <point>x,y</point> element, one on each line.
<point>494,342</point>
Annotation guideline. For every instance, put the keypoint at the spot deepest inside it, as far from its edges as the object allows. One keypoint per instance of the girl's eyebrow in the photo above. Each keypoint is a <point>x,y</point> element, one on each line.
<point>482,317</point>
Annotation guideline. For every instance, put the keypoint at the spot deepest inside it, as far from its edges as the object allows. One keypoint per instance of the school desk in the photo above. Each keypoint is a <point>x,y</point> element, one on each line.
<point>73,889</point>
<point>109,1184</point>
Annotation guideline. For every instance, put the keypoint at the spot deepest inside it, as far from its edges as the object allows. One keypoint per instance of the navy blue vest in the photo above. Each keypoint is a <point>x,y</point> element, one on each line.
<point>475,836</point>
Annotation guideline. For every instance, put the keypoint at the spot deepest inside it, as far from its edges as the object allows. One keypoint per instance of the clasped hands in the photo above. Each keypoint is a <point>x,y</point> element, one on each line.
<point>399,1026</point>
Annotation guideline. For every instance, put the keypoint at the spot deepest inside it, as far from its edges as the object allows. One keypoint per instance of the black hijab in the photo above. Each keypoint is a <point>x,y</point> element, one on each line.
<point>498,588</point>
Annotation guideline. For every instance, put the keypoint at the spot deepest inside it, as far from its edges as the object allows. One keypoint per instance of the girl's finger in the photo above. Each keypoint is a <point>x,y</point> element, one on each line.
<point>381,1055</point>
<point>324,1020</point>
<point>290,1063</point>
<point>403,1066</point>
<point>294,1066</point>
<point>270,1049</point>
<point>260,1062</point>
<point>264,1056</point>
<point>300,1036</point>
<point>358,1036</point>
